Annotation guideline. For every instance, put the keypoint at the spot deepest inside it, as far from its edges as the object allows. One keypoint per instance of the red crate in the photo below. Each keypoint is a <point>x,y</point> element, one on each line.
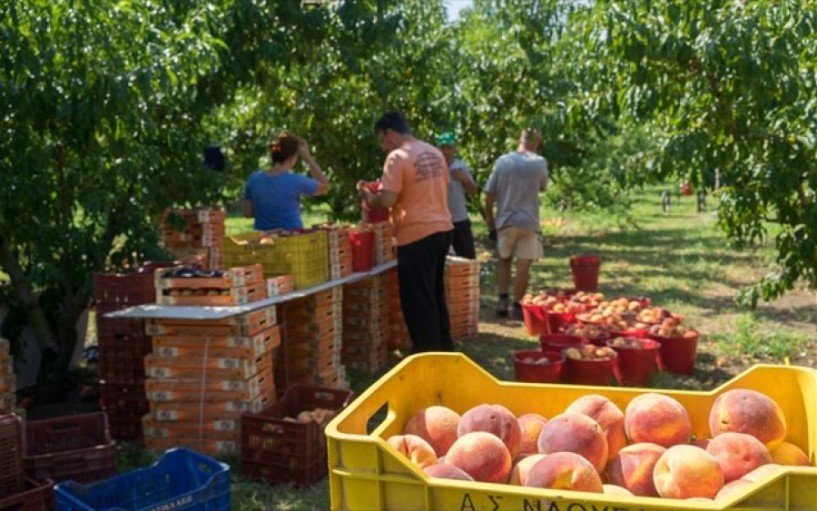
<point>77,447</point>
<point>118,328</point>
<point>125,406</point>
<point>123,362</point>
<point>11,461</point>
<point>124,290</point>
<point>281,451</point>
<point>36,496</point>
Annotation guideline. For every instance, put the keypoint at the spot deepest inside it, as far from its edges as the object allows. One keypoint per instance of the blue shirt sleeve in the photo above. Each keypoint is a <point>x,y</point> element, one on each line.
<point>308,186</point>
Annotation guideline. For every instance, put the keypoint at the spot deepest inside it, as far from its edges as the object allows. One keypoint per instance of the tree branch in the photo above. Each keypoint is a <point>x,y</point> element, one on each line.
<point>28,299</point>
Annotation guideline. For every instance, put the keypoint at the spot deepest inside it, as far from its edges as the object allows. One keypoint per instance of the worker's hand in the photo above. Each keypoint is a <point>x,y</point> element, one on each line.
<point>303,149</point>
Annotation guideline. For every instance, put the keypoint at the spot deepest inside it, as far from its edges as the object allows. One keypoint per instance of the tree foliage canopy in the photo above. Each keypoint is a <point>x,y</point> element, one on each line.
<point>108,105</point>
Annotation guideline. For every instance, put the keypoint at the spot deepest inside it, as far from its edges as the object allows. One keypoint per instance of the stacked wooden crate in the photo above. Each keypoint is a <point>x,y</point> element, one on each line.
<point>383,242</point>
<point>366,331</point>
<point>311,341</point>
<point>203,374</point>
<point>123,344</point>
<point>462,296</point>
<point>8,402</point>
<point>195,236</point>
<point>399,338</point>
<point>339,250</point>
<point>188,286</point>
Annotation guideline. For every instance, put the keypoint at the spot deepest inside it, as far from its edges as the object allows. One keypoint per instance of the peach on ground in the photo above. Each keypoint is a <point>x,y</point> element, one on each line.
<point>732,488</point>
<point>608,415</point>
<point>564,471</point>
<point>656,418</point>
<point>577,433</point>
<point>738,454</point>
<point>436,424</point>
<point>494,419</point>
<point>530,425</point>
<point>762,472</point>
<point>447,472</point>
<point>481,455</point>
<point>751,412</point>
<point>685,471</point>
<point>632,468</point>
<point>415,449</point>
<point>789,454</point>
<point>612,489</point>
<point>520,470</point>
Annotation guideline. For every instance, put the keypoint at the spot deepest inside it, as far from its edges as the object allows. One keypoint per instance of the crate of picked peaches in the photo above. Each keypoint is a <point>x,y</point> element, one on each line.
<point>464,440</point>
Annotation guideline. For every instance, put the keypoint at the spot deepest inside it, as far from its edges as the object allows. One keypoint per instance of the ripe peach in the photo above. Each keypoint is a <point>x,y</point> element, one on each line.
<point>608,415</point>
<point>520,471</point>
<point>494,419</point>
<point>738,454</point>
<point>447,472</point>
<point>575,432</point>
<point>530,425</point>
<point>789,454</point>
<point>564,471</point>
<point>437,425</point>
<point>657,418</point>
<point>481,455</point>
<point>748,411</point>
<point>414,448</point>
<point>612,489</point>
<point>685,471</point>
<point>632,468</point>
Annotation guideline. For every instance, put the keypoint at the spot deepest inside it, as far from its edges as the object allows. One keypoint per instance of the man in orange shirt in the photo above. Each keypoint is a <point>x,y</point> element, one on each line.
<point>415,187</point>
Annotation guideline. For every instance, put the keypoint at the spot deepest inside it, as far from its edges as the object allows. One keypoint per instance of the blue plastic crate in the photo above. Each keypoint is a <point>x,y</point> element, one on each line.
<point>181,480</point>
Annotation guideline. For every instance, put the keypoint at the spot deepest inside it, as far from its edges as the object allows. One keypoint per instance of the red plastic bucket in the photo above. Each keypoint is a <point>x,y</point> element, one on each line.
<point>585,269</point>
<point>590,372</point>
<point>362,250</point>
<point>370,214</point>
<point>636,365</point>
<point>558,342</point>
<point>678,353</point>
<point>538,366</point>
<point>536,321</point>
<point>559,320</point>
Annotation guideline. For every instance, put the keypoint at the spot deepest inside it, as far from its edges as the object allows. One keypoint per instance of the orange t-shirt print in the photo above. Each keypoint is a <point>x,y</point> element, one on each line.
<point>417,172</point>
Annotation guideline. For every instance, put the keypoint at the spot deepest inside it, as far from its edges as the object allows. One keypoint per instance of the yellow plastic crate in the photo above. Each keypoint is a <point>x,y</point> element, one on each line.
<point>304,255</point>
<point>367,474</point>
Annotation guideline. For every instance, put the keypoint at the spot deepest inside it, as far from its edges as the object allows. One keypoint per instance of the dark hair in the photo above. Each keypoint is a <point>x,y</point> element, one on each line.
<point>394,121</point>
<point>283,146</point>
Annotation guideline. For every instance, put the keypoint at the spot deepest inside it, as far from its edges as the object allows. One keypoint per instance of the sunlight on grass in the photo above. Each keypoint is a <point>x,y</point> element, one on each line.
<point>759,339</point>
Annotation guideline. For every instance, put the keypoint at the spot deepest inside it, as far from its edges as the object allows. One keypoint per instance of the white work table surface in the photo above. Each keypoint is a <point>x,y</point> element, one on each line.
<point>156,311</point>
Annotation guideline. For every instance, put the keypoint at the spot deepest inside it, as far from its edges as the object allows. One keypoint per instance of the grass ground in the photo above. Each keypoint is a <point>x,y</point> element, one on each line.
<point>679,259</point>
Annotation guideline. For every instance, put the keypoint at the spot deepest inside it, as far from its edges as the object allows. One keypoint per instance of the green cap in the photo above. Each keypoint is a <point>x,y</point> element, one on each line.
<point>447,138</point>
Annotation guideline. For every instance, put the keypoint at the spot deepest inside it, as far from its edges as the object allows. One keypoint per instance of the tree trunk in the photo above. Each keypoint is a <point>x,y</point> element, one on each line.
<point>28,299</point>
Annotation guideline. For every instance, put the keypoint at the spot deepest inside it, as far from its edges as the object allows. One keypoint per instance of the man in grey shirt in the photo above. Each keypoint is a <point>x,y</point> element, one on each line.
<point>462,184</point>
<point>514,186</point>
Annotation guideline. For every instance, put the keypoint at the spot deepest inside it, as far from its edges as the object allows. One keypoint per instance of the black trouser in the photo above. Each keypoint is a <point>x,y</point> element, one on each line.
<point>421,274</point>
<point>463,242</point>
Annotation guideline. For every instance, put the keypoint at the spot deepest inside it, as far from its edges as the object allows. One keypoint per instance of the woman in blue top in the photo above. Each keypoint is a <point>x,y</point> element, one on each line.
<point>273,196</point>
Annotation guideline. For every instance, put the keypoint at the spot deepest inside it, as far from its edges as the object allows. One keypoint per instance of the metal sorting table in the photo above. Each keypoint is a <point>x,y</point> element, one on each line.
<point>200,312</point>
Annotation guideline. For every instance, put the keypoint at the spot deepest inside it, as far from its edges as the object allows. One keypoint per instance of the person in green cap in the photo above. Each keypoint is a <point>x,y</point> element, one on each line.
<point>462,184</point>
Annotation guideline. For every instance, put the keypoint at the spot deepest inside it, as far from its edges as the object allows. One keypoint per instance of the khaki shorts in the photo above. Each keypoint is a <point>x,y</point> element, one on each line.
<point>523,243</point>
